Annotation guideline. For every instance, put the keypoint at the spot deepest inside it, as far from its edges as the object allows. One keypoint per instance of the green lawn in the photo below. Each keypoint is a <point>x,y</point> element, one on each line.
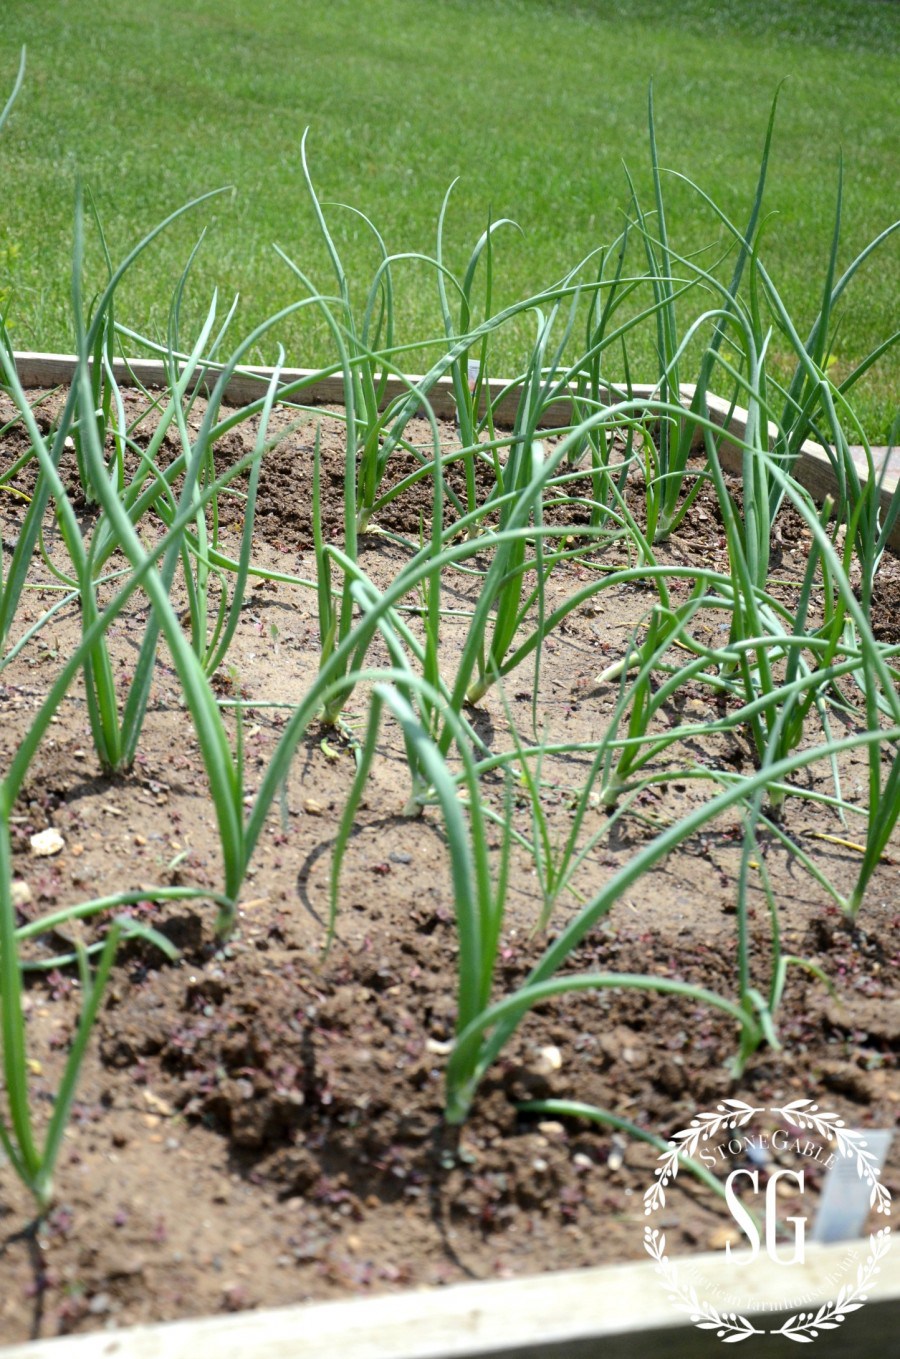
<point>534,105</point>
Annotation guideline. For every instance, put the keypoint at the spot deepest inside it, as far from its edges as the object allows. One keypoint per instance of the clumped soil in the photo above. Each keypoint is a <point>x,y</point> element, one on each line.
<point>259,1124</point>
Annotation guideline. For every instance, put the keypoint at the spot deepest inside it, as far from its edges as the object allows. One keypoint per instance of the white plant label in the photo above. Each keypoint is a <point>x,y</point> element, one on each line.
<point>844,1206</point>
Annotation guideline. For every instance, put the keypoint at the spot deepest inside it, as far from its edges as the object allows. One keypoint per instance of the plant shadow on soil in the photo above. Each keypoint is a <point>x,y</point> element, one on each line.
<point>258,1125</point>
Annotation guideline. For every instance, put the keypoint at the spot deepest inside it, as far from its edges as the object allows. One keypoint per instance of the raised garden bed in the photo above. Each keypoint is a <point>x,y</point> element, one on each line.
<point>258,1126</point>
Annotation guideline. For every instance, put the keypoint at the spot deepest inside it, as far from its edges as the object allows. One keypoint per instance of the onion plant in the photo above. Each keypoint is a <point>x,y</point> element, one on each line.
<point>808,408</point>
<point>811,405</point>
<point>32,1154</point>
<point>366,384</point>
<point>70,422</point>
<point>115,734</point>
<point>366,350</point>
<point>481,1039</point>
<point>676,434</point>
<point>469,375</point>
<point>35,1163</point>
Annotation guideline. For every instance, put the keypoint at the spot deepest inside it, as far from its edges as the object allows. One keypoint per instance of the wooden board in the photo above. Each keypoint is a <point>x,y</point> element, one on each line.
<point>616,1312</point>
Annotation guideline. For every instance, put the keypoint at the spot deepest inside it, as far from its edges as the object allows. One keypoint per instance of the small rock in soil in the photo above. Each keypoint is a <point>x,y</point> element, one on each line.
<point>46,843</point>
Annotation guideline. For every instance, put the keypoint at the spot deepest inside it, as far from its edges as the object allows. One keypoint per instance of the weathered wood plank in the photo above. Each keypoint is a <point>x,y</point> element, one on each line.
<point>50,370</point>
<point>613,1312</point>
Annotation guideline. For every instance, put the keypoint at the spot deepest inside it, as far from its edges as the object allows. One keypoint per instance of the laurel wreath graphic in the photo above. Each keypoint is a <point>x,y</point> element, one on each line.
<point>730,1114</point>
<point>728,1326</point>
<point>804,1115</point>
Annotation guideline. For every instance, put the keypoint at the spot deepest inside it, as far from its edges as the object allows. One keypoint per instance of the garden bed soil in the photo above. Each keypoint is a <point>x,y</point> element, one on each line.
<point>258,1125</point>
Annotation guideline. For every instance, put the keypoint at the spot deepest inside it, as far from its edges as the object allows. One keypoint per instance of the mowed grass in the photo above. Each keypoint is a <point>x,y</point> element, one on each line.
<point>533,104</point>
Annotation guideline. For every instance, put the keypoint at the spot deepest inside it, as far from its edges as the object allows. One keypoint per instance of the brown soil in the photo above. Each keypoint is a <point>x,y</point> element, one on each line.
<point>256,1125</point>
